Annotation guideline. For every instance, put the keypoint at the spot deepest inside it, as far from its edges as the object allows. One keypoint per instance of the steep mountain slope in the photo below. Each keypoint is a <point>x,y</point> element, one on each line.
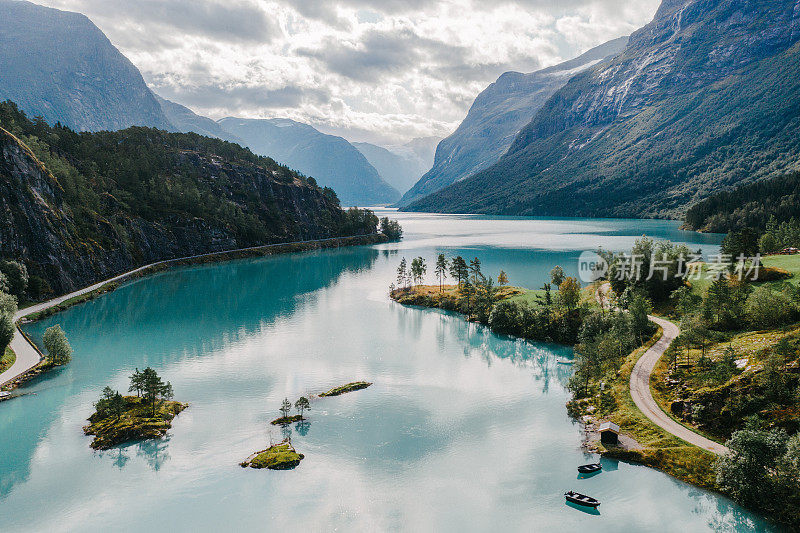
<point>497,116</point>
<point>78,208</point>
<point>58,65</point>
<point>330,160</point>
<point>422,148</point>
<point>705,97</point>
<point>399,168</point>
<point>185,120</point>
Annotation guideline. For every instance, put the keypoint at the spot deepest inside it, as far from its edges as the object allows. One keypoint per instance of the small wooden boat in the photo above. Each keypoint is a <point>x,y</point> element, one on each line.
<point>581,499</point>
<point>564,362</point>
<point>590,469</point>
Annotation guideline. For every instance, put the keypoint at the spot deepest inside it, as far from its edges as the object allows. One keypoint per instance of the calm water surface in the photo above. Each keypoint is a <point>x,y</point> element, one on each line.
<point>463,430</point>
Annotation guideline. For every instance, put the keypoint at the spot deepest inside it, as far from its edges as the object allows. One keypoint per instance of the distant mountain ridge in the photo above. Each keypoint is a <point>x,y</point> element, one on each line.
<point>705,97</point>
<point>329,159</point>
<point>496,116</point>
<point>400,165</point>
<point>60,66</point>
<point>185,120</point>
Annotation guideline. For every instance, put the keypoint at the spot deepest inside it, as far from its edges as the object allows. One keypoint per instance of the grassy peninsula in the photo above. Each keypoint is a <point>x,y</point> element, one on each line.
<point>553,313</point>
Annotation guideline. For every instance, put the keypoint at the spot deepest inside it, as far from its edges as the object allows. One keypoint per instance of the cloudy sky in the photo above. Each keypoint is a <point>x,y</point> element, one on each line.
<point>380,71</point>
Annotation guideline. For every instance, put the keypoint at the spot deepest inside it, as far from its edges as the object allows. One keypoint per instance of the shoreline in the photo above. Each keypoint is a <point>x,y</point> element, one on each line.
<point>29,358</point>
<point>638,438</point>
<point>652,445</point>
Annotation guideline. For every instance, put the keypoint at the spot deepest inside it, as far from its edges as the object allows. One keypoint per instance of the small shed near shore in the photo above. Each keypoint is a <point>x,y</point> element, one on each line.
<point>609,433</point>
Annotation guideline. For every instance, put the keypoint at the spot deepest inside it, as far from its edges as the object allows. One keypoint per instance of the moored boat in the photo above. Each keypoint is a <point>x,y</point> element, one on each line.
<point>590,469</point>
<point>581,499</point>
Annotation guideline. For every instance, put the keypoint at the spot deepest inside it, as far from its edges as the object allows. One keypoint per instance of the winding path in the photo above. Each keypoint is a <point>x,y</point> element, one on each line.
<point>643,397</point>
<point>640,383</point>
<point>28,355</point>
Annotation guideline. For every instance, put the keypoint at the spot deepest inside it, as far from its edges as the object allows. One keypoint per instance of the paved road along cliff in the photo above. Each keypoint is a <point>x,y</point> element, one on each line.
<point>28,356</point>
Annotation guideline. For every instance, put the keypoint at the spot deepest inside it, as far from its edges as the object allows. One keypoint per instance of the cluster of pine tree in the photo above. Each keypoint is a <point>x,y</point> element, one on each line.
<point>750,206</point>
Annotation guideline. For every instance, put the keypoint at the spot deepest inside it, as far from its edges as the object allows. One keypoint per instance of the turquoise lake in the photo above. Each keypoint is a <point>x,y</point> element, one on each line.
<point>463,430</point>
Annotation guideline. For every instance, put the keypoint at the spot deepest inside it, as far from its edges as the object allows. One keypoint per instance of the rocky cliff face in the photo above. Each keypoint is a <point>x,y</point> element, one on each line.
<point>31,221</point>
<point>497,116</point>
<point>60,66</point>
<point>38,225</point>
<point>704,97</point>
<point>688,46</point>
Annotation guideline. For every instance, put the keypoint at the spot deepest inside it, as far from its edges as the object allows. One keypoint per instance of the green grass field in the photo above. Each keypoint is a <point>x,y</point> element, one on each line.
<point>790,263</point>
<point>7,360</point>
<point>528,296</point>
<point>700,282</point>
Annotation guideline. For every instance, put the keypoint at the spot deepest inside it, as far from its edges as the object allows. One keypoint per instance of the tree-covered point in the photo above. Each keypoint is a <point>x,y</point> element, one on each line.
<point>748,206</point>
<point>553,317</point>
<point>118,419</point>
<point>391,228</point>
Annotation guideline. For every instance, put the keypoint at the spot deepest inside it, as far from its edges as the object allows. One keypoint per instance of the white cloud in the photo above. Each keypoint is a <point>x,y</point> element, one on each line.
<point>383,70</point>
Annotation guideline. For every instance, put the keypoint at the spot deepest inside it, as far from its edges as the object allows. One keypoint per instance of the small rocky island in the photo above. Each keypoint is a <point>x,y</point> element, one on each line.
<point>280,456</point>
<point>350,387</point>
<point>287,420</point>
<point>148,415</point>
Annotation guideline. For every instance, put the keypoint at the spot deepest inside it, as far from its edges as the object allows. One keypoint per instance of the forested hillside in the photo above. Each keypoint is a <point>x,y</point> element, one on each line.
<point>80,207</point>
<point>748,206</point>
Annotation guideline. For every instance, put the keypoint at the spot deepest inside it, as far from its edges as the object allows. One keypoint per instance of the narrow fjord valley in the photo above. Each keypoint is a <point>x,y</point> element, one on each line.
<point>179,291</point>
<point>703,97</point>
